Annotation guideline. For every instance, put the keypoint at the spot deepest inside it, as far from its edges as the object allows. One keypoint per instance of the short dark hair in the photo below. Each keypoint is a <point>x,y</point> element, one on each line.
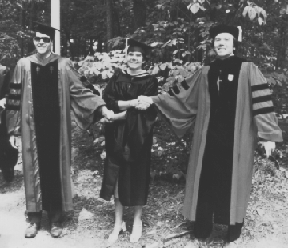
<point>139,49</point>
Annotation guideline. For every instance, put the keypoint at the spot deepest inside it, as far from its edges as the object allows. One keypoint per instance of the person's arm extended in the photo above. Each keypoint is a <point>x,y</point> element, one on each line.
<point>115,117</point>
<point>123,105</point>
<point>263,111</point>
<point>119,116</point>
<point>86,106</point>
<point>180,106</point>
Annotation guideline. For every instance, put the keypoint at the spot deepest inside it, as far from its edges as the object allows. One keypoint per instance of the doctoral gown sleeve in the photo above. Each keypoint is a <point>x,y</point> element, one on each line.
<point>180,105</point>
<point>262,105</point>
<point>13,102</point>
<point>83,101</point>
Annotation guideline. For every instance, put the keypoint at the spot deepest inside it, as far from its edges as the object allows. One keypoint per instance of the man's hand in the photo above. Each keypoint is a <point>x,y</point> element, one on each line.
<point>12,141</point>
<point>3,103</point>
<point>142,106</point>
<point>269,147</point>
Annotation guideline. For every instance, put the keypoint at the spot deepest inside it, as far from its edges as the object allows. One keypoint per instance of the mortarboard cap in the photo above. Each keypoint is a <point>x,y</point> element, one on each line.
<point>135,43</point>
<point>44,29</point>
<point>223,28</point>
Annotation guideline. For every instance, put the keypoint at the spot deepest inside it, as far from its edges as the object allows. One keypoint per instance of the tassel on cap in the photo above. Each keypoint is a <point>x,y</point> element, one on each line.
<point>239,33</point>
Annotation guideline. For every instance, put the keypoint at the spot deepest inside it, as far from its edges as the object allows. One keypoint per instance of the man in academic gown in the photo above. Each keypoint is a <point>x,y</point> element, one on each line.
<point>232,103</point>
<point>45,89</point>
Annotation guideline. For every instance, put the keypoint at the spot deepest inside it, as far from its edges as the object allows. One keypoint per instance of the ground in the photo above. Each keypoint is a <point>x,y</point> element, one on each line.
<point>265,224</point>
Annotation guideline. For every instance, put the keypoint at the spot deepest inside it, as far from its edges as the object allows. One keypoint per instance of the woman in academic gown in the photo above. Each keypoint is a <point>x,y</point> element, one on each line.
<point>129,139</point>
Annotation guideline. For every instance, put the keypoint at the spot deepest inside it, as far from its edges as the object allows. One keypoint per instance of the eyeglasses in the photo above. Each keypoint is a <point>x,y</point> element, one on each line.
<point>45,39</point>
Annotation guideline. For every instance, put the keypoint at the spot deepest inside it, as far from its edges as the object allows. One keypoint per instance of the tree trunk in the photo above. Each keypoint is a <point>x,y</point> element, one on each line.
<point>32,18</point>
<point>99,45</point>
<point>67,47</point>
<point>139,10</point>
<point>109,7</point>
<point>198,53</point>
<point>22,25</point>
<point>116,23</point>
<point>91,52</point>
<point>281,57</point>
<point>32,15</point>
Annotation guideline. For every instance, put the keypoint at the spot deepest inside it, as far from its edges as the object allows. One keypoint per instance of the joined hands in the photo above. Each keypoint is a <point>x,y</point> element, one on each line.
<point>138,104</point>
<point>143,102</point>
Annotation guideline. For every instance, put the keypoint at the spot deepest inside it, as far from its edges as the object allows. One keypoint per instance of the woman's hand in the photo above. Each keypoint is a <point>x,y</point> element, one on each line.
<point>106,112</point>
<point>133,103</point>
<point>115,117</point>
<point>145,99</point>
<point>123,105</point>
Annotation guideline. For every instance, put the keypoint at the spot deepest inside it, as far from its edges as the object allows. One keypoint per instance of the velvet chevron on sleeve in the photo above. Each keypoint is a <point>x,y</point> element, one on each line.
<point>13,102</point>
<point>263,108</point>
<point>179,107</point>
<point>261,94</point>
<point>14,97</point>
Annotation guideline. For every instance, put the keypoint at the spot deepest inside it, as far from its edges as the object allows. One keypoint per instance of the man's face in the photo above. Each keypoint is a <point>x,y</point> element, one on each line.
<point>42,43</point>
<point>223,45</point>
<point>134,60</point>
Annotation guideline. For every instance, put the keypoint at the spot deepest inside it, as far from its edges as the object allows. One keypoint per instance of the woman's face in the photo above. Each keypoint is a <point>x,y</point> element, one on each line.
<point>134,60</point>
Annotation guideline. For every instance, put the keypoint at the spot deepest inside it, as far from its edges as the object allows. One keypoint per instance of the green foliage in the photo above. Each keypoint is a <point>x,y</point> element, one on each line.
<point>8,26</point>
<point>83,19</point>
<point>177,29</point>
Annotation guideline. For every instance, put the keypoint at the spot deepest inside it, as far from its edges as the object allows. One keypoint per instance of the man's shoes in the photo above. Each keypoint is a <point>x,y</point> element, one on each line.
<point>32,230</point>
<point>56,230</point>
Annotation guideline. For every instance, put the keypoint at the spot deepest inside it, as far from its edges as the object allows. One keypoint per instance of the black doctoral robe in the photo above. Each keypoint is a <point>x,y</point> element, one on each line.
<point>216,176</point>
<point>128,142</point>
<point>47,126</point>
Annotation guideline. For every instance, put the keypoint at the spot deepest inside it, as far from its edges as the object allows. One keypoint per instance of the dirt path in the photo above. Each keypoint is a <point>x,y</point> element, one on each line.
<point>266,224</point>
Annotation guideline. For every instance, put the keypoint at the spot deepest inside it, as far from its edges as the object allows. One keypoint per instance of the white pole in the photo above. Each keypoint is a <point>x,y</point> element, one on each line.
<point>55,23</point>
